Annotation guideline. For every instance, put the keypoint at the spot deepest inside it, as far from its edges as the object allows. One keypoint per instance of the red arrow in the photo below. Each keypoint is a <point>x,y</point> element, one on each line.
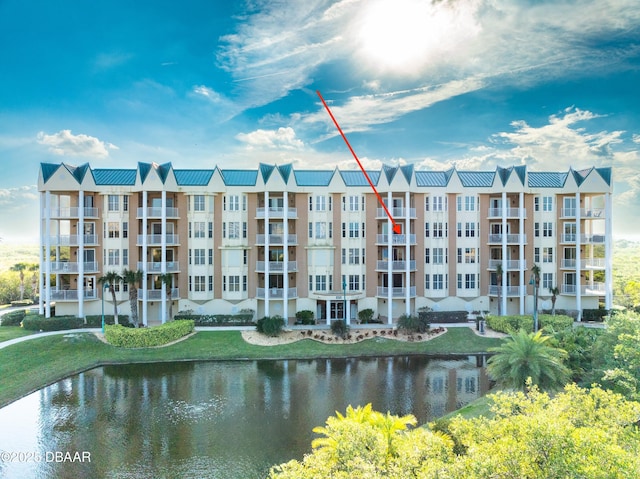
<point>397,229</point>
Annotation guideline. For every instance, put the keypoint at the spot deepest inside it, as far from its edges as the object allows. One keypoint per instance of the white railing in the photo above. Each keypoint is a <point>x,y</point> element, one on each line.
<point>511,238</point>
<point>72,212</point>
<point>592,213</point>
<point>395,265</point>
<point>508,264</point>
<point>156,294</point>
<point>398,213</point>
<point>277,212</point>
<point>594,263</point>
<point>71,294</point>
<point>592,239</point>
<point>277,239</point>
<point>511,290</point>
<point>511,212</point>
<point>595,289</point>
<point>397,240</point>
<point>157,239</point>
<point>276,293</point>
<point>156,212</point>
<point>396,292</point>
<point>276,266</point>
<point>156,266</point>
<point>73,267</point>
<point>73,240</point>
<point>568,238</point>
<point>568,264</point>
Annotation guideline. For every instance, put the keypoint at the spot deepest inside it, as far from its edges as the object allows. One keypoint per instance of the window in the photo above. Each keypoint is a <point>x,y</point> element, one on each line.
<point>354,231</point>
<point>211,256</point>
<point>426,203</point>
<point>536,203</point>
<point>426,281</point>
<point>199,283</point>
<point>125,203</point>
<point>310,282</point>
<point>469,203</point>
<point>438,281</point>
<point>330,229</point>
<point>459,228</point>
<point>426,229</point>
<point>547,255</point>
<point>547,203</point>
<point>459,203</point>
<point>310,203</point>
<point>113,203</point>
<point>427,258</point>
<point>245,256</point>
<point>199,229</point>
<point>353,203</point>
<point>439,203</point>
<point>210,229</point>
<point>344,256</point>
<point>199,256</point>
<point>363,257</point>
<point>198,203</point>
<point>438,230</point>
<point>354,256</point>
<point>470,230</point>
<point>344,230</point>
<point>244,229</point>
<point>354,282</point>
<point>470,281</point>
<point>536,229</point>
<point>125,229</point>
<point>547,228</point>
<point>321,203</point>
<point>244,202</point>
<point>310,229</point>
<point>459,255</point>
<point>438,255</point>
<point>113,257</point>
<point>469,255</point>
<point>329,203</point>
<point>547,281</point>
<point>330,282</point>
<point>536,255</point>
<point>234,230</point>
<point>114,229</point>
<point>244,283</point>
<point>234,283</point>
<point>321,283</point>
<point>210,283</point>
<point>125,257</point>
<point>233,201</point>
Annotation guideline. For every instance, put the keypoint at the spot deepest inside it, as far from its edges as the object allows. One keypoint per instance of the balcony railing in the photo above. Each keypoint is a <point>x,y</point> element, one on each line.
<point>72,294</point>
<point>156,212</point>
<point>276,293</point>
<point>397,240</point>
<point>277,239</point>
<point>276,266</point>
<point>156,294</point>
<point>397,213</point>
<point>73,240</point>
<point>585,213</point>
<point>511,212</point>
<point>383,291</point>
<point>594,263</point>
<point>382,265</point>
<point>277,212</point>
<point>592,239</point>
<point>511,290</point>
<point>72,212</point>
<point>156,266</point>
<point>594,289</point>
<point>511,238</point>
<point>509,264</point>
<point>73,267</point>
<point>156,240</point>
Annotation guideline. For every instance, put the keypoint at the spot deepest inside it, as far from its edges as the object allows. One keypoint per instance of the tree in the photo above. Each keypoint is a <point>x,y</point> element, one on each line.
<point>535,271</point>
<point>555,291</point>
<point>34,279</point>
<point>167,280</point>
<point>527,355</point>
<point>20,267</point>
<point>111,278</point>
<point>499,273</point>
<point>133,279</point>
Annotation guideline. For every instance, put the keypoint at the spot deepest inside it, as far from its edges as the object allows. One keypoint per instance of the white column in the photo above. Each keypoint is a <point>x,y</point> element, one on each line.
<point>505,274</point>
<point>285,266</point>
<point>143,259</point>
<point>43,216</point>
<point>47,246</point>
<point>163,264</point>
<point>407,255</point>
<point>389,263</point>
<point>578,259</point>
<point>266,253</point>
<point>523,284</point>
<point>80,258</point>
<point>608,251</point>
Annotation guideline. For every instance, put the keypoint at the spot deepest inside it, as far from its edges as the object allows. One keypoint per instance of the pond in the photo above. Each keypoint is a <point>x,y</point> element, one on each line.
<point>218,420</point>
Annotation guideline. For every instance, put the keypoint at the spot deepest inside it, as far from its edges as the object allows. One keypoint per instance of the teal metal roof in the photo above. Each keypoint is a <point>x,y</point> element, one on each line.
<point>106,176</point>
<point>605,173</point>
<point>48,169</point>
<point>266,171</point>
<point>581,175</point>
<point>163,171</point>
<point>285,172</point>
<point>476,179</point>
<point>313,177</point>
<point>239,177</point>
<point>389,172</point>
<point>407,171</point>
<point>77,172</point>
<point>357,178</point>
<point>193,177</point>
<point>546,179</point>
<point>432,178</point>
<point>144,169</point>
<point>521,171</point>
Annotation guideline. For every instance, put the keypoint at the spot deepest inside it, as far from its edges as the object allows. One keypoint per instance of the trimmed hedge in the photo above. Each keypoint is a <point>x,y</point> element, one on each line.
<point>411,324</point>
<point>512,324</point>
<point>242,319</point>
<point>95,320</point>
<point>340,328</point>
<point>594,314</point>
<point>35,322</point>
<point>22,302</point>
<point>122,337</point>
<point>305,317</point>
<point>444,316</point>
<point>270,325</point>
<point>14,318</point>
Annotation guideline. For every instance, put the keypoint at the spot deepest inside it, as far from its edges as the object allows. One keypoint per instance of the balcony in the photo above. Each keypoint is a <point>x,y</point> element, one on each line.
<point>396,240</point>
<point>156,240</point>
<point>397,213</point>
<point>73,212</point>
<point>585,213</point>
<point>508,265</point>
<point>395,265</point>
<point>511,212</point>
<point>276,266</point>
<point>156,266</point>
<point>73,240</point>
<point>156,212</point>
<point>277,239</point>
<point>383,292</point>
<point>593,263</point>
<point>277,212</point>
<point>594,289</point>
<point>511,290</point>
<point>276,293</point>
<point>511,238</point>
<point>71,294</point>
<point>73,267</point>
<point>156,294</point>
<point>592,239</point>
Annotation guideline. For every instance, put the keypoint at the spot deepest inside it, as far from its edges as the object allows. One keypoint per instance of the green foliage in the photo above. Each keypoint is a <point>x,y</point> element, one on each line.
<point>122,337</point>
<point>10,287</point>
<point>14,318</point>
<point>305,317</point>
<point>411,324</point>
<point>578,343</point>
<point>340,328</point>
<point>588,434</point>
<point>594,314</point>
<point>527,356</point>
<point>365,315</point>
<point>95,320</point>
<point>242,319</point>
<point>270,325</point>
<point>512,324</point>
<point>35,322</point>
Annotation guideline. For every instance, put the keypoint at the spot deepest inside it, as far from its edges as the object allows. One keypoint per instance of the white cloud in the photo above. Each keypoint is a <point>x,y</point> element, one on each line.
<point>65,143</point>
<point>283,138</point>
<point>636,138</point>
<point>208,93</point>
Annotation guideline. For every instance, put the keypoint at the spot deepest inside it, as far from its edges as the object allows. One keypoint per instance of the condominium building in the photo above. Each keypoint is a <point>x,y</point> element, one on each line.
<point>278,240</point>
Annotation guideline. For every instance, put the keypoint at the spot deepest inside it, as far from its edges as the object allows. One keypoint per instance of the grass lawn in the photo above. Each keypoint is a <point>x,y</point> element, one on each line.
<point>30,365</point>
<point>10,332</point>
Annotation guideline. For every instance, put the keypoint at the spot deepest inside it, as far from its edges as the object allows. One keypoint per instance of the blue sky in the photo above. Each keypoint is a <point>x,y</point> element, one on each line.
<point>470,83</point>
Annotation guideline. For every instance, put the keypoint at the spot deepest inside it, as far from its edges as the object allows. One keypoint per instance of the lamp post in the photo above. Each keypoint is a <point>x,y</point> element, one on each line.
<point>105,286</point>
<point>534,283</point>
<point>344,289</point>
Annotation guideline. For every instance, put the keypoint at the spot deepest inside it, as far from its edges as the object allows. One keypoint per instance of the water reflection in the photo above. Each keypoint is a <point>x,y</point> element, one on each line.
<point>218,419</point>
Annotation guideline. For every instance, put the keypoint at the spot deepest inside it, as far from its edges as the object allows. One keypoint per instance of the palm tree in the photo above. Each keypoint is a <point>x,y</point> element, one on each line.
<point>111,278</point>
<point>535,270</point>
<point>133,279</point>
<point>499,273</point>
<point>34,267</point>
<point>167,280</point>
<point>555,291</point>
<point>20,267</point>
<point>527,355</point>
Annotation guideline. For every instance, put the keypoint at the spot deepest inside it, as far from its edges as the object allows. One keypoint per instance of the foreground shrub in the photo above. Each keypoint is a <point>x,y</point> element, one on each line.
<point>411,324</point>
<point>14,318</point>
<point>365,316</point>
<point>35,322</point>
<point>305,317</point>
<point>242,319</point>
<point>340,328</point>
<point>122,337</point>
<point>95,320</point>
<point>270,325</point>
<point>513,324</point>
<point>22,302</point>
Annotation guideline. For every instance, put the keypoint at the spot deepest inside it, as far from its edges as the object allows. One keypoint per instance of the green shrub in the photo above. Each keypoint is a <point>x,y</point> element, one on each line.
<point>23,302</point>
<point>270,325</point>
<point>340,328</point>
<point>512,324</point>
<point>14,318</point>
<point>443,316</point>
<point>95,320</point>
<point>411,324</point>
<point>242,319</point>
<point>36,322</point>
<point>122,337</point>
<point>594,314</point>
<point>305,317</point>
<point>365,316</point>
